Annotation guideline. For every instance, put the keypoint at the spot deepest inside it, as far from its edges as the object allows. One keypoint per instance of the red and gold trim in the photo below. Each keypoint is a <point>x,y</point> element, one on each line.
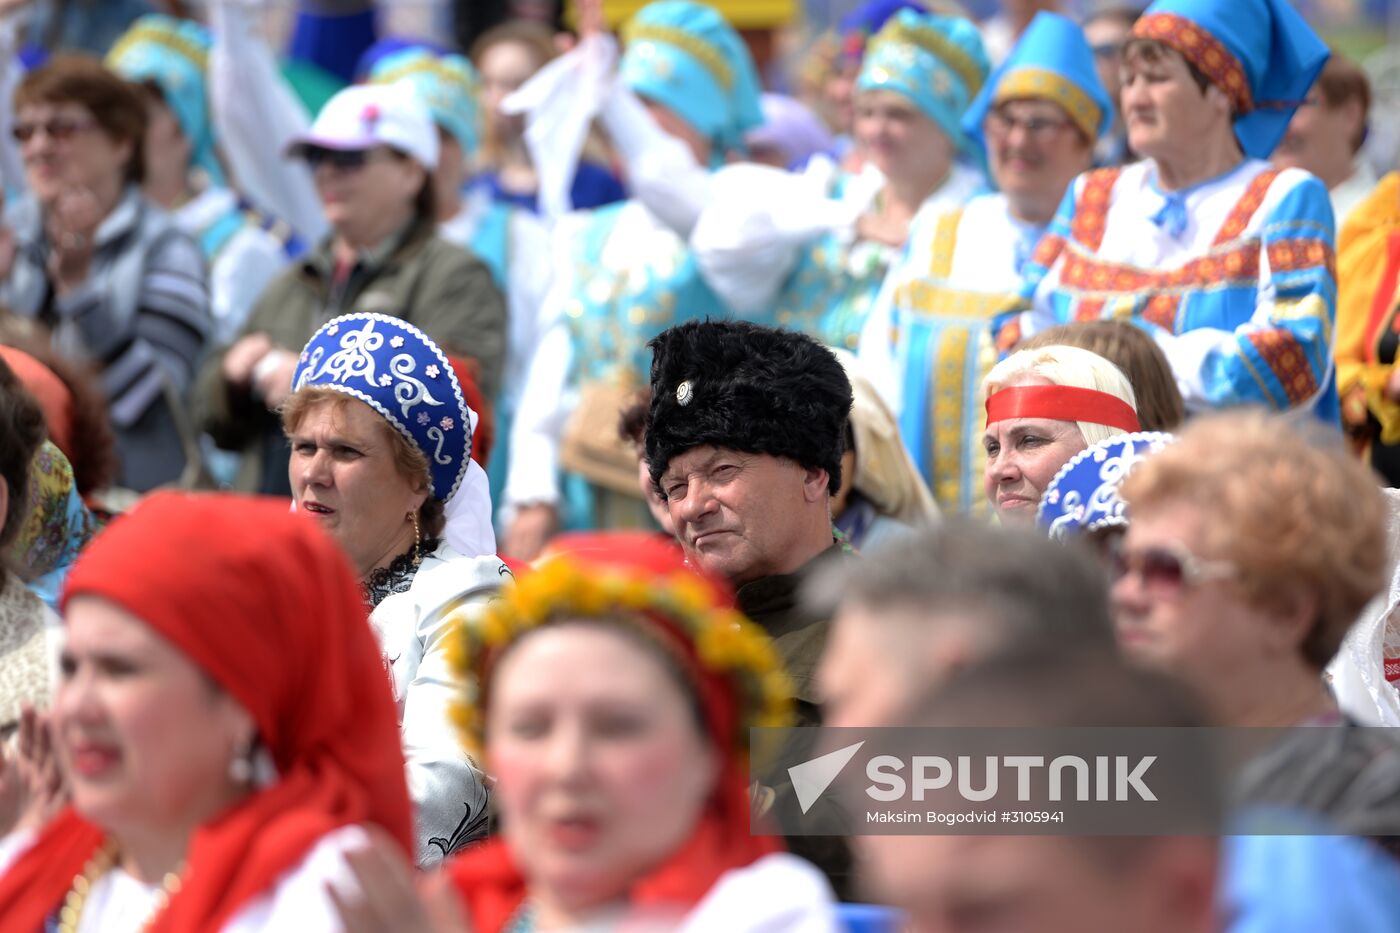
<point>1091,211</point>
<point>1061,403</point>
<point>1204,51</point>
<point>1284,356</point>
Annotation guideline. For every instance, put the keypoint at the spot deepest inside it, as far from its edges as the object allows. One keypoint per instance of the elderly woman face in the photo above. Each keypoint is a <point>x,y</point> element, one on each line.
<point>144,737</point>
<point>344,471</point>
<point>1176,605</point>
<point>1023,456</point>
<point>602,768</point>
<point>65,149</point>
<point>1164,109</point>
<point>899,138</point>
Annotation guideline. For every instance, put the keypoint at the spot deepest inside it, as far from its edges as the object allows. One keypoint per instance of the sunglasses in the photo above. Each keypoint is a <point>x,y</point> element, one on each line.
<point>1166,568</point>
<point>58,128</point>
<point>344,160</point>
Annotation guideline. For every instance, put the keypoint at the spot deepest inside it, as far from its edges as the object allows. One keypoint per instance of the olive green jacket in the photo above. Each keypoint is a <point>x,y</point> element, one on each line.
<point>442,289</point>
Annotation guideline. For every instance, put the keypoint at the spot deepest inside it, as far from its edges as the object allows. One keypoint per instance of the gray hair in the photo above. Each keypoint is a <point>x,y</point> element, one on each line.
<point>1020,589</point>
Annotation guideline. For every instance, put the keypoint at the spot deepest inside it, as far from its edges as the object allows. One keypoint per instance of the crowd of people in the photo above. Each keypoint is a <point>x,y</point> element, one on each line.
<point>413,490</point>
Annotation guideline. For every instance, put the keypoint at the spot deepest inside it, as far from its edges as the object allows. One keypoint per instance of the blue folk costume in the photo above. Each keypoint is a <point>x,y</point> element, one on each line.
<point>244,247</point>
<point>937,63</point>
<point>932,330</point>
<point>512,243</point>
<point>1233,277</point>
<point>622,277</point>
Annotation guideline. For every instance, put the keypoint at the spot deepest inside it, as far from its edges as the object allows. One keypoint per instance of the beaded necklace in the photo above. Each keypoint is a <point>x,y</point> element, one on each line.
<point>102,861</point>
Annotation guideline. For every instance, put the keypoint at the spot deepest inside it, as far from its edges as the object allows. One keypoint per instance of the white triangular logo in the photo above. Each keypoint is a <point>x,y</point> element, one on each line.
<point>811,778</point>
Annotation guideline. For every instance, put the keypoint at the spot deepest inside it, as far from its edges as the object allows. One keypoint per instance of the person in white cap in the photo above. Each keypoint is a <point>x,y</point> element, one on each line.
<point>372,150</point>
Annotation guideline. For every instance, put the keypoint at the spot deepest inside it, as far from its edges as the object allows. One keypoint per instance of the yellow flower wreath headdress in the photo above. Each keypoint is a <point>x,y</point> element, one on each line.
<point>620,578</point>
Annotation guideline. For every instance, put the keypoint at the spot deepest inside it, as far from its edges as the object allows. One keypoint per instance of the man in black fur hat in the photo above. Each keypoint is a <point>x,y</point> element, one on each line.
<point>744,439</point>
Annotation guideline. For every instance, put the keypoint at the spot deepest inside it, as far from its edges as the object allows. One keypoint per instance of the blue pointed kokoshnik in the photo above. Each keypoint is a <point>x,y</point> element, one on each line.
<point>397,370</point>
<point>1083,496</point>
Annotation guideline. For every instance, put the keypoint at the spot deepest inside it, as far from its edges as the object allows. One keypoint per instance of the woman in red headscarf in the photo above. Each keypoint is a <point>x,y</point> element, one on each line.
<point>614,690</point>
<point>224,723</point>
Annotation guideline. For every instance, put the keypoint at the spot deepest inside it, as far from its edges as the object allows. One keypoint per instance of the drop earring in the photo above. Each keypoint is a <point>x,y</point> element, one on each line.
<point>417,538</point>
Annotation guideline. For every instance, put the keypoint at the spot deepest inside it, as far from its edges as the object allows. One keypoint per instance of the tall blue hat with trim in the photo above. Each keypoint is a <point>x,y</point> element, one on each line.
<point>935,61</point>
<point>447,84</point>
<point>1051,61</point>
<point>1083,496</point>
<point>1261,53</point>
<point>173,54</point>
<point>687,57</point>
<point>396,369</point>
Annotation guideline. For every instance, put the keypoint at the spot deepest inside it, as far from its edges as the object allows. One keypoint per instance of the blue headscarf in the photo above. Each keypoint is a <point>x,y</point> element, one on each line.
<point>396,369</point>
<point>1261,53</point>
<point>173,54</point>
<point>686,57</point>
<point>391,45</point>
<point>1051,61</point>
<point>447,84</point>
<point>937,62</point>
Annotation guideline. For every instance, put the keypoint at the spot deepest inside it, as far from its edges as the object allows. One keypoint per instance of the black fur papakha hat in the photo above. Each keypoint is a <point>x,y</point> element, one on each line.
<point>750,388</point>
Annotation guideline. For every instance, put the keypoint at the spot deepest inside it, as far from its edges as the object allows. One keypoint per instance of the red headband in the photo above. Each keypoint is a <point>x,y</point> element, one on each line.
<point>1062,403</point>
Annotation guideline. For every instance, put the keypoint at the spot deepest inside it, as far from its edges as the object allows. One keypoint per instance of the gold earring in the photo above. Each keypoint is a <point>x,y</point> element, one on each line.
<point>417,537</point>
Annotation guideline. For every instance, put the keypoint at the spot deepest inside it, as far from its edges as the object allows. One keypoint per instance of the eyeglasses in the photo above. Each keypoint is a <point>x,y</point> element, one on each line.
<point>57,128</point>
<point>343,160</point>
<point>1000,124</point>
<point>1167,568</point>
<point>1108,50</point>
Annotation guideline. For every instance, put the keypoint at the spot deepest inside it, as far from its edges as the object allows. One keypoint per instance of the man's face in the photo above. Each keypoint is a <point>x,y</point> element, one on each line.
<point>878,662</point>
<point>1042,884</point>
<point>737,514</point>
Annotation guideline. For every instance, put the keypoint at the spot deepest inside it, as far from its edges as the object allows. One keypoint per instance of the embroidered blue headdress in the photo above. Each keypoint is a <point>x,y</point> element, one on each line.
<point>1083,496</point>
<point>397,370</point>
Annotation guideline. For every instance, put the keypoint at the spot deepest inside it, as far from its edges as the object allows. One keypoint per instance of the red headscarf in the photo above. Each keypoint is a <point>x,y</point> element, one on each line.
<point>267,605</point>
<point>53,396</point>
<point>487,876</point>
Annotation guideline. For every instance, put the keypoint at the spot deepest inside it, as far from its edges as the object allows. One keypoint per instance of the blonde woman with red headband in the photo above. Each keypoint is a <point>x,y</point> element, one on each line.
<point>1043,407</point>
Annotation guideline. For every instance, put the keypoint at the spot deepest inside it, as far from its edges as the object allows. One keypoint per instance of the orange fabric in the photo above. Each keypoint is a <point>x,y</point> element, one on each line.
<point>267,605</point>
<point>487,877</point>
<point>53,396</point>
<point>1368,267</point>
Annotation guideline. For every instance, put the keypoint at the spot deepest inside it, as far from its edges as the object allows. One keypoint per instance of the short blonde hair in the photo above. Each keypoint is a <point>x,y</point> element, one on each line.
<point>1065,366</point>
<point>1285,509</point>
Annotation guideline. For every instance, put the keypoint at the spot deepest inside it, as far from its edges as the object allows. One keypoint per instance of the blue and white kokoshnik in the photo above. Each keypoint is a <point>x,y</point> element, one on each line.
<point>1083,496</point>
<point>398,371</point>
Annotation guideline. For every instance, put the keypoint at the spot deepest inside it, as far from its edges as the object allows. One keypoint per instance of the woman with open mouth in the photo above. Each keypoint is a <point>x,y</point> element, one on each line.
<point>223,726</point>
<point>381,443</point>
<point>612,691</point>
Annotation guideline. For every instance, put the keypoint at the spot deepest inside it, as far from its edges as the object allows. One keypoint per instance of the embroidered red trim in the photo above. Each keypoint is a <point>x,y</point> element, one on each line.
<point>1204,51</point>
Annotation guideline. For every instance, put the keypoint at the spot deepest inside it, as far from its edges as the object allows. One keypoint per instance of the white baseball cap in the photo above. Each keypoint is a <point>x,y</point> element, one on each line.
<point>364,116</point>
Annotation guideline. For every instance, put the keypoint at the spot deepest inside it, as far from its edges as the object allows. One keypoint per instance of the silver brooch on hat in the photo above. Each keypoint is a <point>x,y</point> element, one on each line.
<point>684,393</point>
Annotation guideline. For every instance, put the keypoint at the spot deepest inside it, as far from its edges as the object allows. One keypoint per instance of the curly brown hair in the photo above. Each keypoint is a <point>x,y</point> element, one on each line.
<point>1286,510</point>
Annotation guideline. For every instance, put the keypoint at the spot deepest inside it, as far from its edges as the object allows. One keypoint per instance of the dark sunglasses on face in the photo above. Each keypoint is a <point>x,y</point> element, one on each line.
<point>59,128</point>
<point>1166,568</point>
<point>1108,50</point>
<point>345,160</point>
